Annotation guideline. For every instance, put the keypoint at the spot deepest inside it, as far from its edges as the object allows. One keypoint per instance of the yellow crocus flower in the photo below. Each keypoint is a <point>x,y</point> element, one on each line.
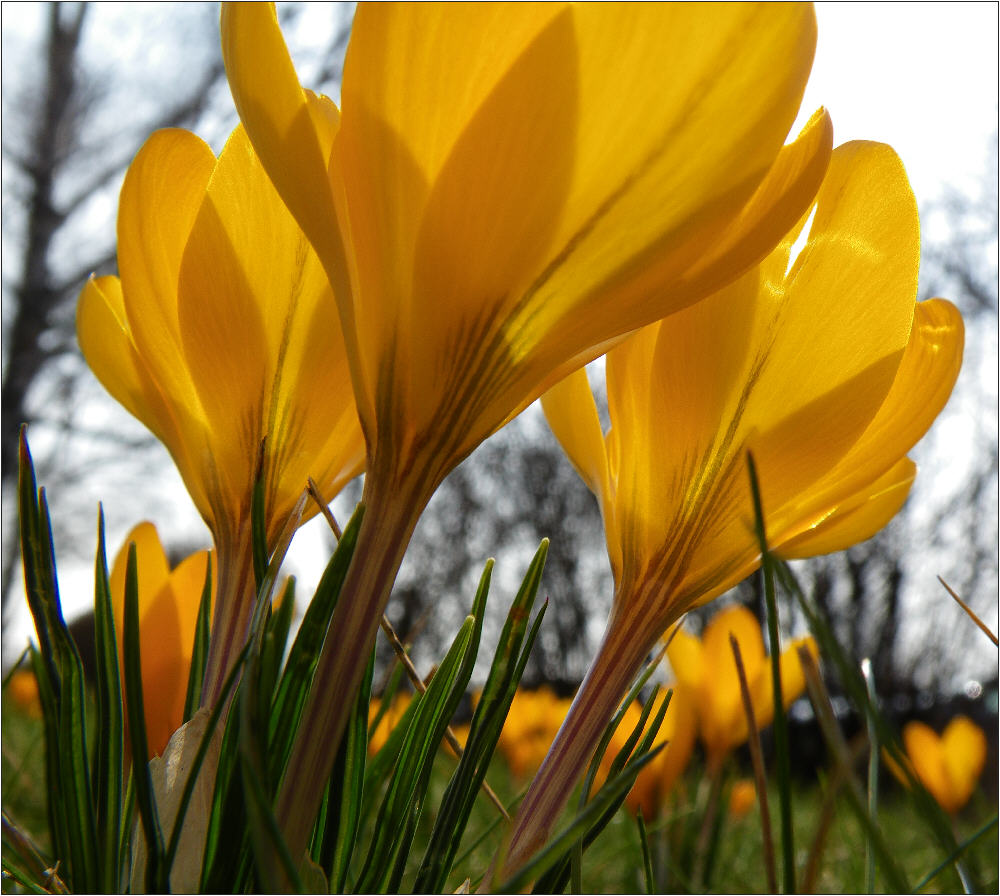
<point>825,368</point>
<point>168,614</point>
<point>222,337</point>
<point>948,765</point>
<point>708,669</point>
<point>507,191</point>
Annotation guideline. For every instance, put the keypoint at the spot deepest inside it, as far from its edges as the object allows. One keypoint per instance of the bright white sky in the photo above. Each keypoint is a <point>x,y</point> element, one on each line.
<point>920,76</point>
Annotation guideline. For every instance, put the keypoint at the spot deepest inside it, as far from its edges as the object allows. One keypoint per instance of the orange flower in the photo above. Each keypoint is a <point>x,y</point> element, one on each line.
<point>742,797</point>
<point>168,612</point>
<point>708,668</point>
<point>948,766</point>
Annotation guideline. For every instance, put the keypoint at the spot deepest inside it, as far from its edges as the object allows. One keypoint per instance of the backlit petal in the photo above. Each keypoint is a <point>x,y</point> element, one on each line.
<point>859,517</point>
<point>163,190</point>
<point>572,414</point>
<point>924,749</point>
<point>292,135</point>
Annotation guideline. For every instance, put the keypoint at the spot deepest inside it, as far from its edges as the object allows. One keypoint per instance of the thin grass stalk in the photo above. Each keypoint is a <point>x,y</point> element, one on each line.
<point>954,855</point>
<point>811,873</point>
<point>873,763</point>
<point>968,610</point>
<point>780,723</point>
<point>759,774</point>
<point>838,747</point>
<point>647,860</point>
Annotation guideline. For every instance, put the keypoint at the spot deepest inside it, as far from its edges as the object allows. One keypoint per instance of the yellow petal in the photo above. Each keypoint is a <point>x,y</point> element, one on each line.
<point>572,414</point>
<point>923,382</point>
<point>415,83</point>
<point>292,134</point>
<point>824,344</point>
<point>151,566</point>
<point>687,660</point>
<point>844,321</point>
<point>857,518</point>
<point>793,680</point>
<point>727,700</point>
<point>964,746</point>
<point>106,343</point>
<point>103,334</point>
<point>161,195</point>
<point>923,747</point>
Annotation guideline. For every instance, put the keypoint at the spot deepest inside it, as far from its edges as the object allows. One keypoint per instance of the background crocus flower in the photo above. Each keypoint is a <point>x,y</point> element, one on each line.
<point>168,613</point>
<point>948,765</point>
<point>742,798</point>
<point>507,190</point>
<point>529,729</point>
<point>221,336</point>
<point>825,368</point>
<point>707,668</point>
<point>677,733</point>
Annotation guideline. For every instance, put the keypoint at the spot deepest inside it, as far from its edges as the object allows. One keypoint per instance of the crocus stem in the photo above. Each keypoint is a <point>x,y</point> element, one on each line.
<point>234,598</point>
<point>390,516</point>
<point>608,679</point>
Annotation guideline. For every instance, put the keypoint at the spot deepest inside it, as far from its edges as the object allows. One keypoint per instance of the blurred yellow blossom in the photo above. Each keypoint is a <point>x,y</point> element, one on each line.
<point>708,668</point>
<point>948,765</point>
<point>168,613</point>
<point>23,691</point>
<point>222,337</point>
<point>742,797</point>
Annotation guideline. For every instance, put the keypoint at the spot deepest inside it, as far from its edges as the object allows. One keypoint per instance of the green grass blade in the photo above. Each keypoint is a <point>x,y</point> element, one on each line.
<point>955,855</point>
<point>404,798</point>
<point>351,763</point>
<point>647,859</point>
<point>300,666</point>
<point>779,725</point>
<point>258,524</point>
<point>199,653</point>
<point>852,681</point>
<point>109,754</point>
<point>484,732</point>
<point>557,848</point>
<point>625,759</point>
<point>137,730</point>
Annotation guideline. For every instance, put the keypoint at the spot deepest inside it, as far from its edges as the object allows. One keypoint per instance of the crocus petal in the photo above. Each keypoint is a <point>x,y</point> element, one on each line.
<point>923,747</point>
<point>151,565</point>
<point>858,518</point>
<point>291,134</point>
<point>687,659</point>
<point>923,382</point>
<point>162,193</point>
<point>727,700</point>
<point>964,747</point>
<point>104,338</point>
<point>854,284</point>
<point>572,414</point>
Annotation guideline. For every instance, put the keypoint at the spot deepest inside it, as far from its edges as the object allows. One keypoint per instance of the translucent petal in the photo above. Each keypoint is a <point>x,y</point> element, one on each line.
<point>163,190</point>
<point>857,518</point>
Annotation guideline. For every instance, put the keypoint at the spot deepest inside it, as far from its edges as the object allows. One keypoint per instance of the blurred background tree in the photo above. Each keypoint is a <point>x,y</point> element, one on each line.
<point>84,86</point>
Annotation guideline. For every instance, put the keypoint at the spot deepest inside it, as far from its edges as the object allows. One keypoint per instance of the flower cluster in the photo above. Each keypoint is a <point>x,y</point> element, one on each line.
<point>504,195</point>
